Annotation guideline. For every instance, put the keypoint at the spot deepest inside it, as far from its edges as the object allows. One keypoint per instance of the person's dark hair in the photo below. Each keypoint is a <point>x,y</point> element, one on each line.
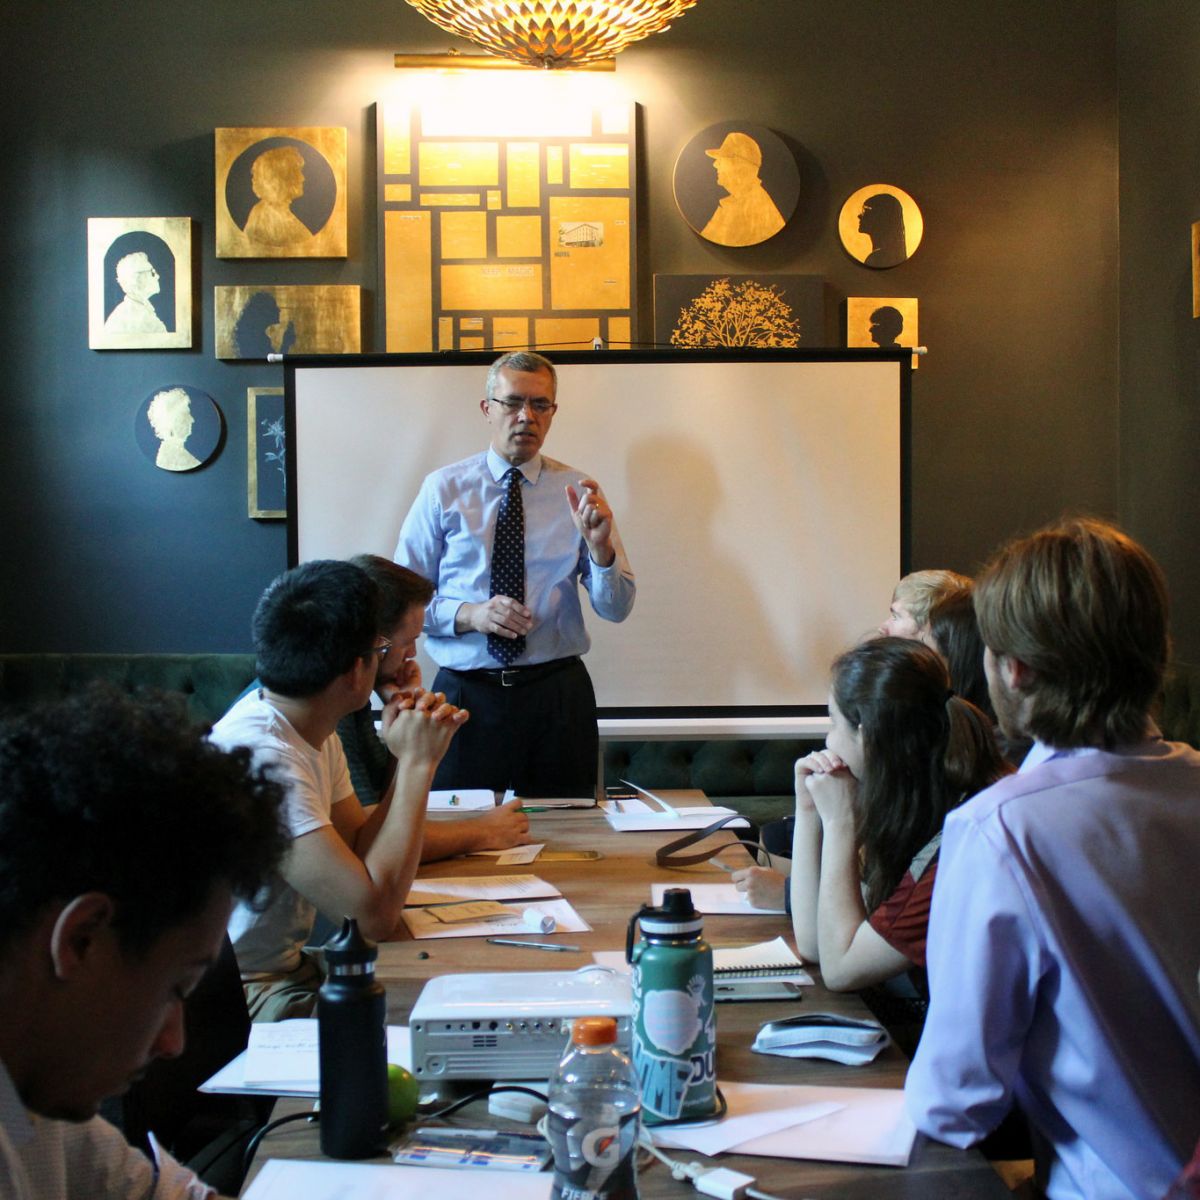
<point>885,227</point>
<point>103,792</point>
<point>311,624</point>
<point>954,631</point>
<point>924,752</point>
<point>1085,607</point>
<point>399,588</point>
<point>520,360</point>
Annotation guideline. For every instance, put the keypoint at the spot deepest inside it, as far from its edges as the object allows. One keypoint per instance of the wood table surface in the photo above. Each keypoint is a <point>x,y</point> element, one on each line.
<point>606,892</point>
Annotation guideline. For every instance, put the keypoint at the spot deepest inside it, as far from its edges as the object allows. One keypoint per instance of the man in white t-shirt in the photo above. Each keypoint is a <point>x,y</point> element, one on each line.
<point>317,641</point>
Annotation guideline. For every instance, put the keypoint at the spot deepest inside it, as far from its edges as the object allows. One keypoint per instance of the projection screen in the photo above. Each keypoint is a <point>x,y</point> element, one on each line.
<point>761,497</point>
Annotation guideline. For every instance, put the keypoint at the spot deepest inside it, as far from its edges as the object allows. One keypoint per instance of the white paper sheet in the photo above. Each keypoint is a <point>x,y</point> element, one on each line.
<point>462,800</point>
<point>566,920</point>
<point>515,856</point>
<point>287,1180</point>
<point>715,898</point>
<point>288,1050</point>
<point>754,1111</point>
<point>482,887</point>
<point>870,1125</point>
<point>684,818</point>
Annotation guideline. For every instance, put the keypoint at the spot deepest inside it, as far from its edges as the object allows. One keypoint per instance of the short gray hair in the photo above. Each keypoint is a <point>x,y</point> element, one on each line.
<point>520,360</point>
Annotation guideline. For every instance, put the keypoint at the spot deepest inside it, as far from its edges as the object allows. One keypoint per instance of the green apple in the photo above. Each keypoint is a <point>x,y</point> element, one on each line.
<point>402,1095</point>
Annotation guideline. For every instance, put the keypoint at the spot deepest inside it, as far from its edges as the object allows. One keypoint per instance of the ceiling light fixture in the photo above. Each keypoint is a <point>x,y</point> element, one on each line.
<point>553,33</point>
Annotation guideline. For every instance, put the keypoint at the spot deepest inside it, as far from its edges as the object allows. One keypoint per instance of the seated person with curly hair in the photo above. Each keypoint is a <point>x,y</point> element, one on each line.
<point>124,838</point>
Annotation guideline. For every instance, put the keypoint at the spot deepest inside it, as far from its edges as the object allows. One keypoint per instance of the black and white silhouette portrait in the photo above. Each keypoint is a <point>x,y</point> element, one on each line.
<point>179,428</point>
<point>736,184</point>
<point>881,226</point>
<point>139,283</point>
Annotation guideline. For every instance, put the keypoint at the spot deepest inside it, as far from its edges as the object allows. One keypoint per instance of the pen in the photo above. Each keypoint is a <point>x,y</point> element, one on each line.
<point>531,945</point>
<point>532,808</point>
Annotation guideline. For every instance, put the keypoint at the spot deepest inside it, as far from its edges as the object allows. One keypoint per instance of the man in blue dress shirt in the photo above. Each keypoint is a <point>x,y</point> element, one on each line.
<point>514,660</point>
<point>1065,932</point>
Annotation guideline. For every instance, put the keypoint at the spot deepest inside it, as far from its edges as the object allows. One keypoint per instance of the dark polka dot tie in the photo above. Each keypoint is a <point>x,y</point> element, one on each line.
<point>508,563</point>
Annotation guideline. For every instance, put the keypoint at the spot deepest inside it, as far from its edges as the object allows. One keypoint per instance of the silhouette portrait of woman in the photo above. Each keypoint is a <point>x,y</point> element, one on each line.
<point>277,179</point>
<point>882,220</point>
<point>170,416</point>
<point>258,330</point>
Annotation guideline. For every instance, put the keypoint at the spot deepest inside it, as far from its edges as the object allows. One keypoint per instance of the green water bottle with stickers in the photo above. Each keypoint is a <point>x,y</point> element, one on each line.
<point>674,1025</point>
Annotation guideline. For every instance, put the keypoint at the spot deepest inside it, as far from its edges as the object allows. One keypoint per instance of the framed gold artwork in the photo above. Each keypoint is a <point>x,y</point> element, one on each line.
<point>139,283</point>
<point>266,454</point>
<point>502,231</point>
<point>179,428</point>
<point>736,184</point>
<point>886,322</point>
<point>1196,269</point>
<point>281,193</point>
<point>254,321</point>
<point>763,311</point>
<point>880,225</point>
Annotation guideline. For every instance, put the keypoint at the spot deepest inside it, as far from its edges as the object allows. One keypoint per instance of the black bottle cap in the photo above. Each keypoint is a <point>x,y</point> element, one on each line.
<point>348,950</point>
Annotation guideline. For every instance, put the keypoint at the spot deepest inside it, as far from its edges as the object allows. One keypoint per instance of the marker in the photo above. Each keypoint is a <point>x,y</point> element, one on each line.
<point>526,808</point>
<point>533,945</point>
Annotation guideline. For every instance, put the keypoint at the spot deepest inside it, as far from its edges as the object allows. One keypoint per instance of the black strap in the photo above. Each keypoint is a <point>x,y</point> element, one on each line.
<point>666,855</point>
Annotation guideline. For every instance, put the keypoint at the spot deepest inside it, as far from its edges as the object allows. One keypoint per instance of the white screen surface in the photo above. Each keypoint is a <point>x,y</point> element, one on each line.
<point>760,504</point>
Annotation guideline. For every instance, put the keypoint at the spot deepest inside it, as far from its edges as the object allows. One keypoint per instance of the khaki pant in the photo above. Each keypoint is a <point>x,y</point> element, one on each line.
<point>292,994</point>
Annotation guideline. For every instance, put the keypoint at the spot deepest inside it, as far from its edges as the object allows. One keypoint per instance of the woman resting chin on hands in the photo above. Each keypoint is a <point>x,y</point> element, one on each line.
<point>902,751</point>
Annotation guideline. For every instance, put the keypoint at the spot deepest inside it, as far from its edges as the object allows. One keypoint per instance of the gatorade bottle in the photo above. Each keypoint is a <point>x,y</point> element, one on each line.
<point>675,1032</point>
<point>592,1124</point>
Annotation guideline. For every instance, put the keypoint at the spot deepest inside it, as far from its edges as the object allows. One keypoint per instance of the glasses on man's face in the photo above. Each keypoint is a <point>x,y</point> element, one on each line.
<point>512,407</point>
<point>381,650</point>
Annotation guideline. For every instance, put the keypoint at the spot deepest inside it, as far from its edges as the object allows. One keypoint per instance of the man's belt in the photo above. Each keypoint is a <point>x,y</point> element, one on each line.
<point>514,676</point>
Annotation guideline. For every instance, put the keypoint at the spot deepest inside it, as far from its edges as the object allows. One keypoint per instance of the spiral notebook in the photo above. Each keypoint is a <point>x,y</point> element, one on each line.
<point>773,960</point>
<point>763,960</point>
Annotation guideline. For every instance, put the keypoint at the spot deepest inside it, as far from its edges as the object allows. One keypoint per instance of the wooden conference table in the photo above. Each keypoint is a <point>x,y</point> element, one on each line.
<point>606,892</point>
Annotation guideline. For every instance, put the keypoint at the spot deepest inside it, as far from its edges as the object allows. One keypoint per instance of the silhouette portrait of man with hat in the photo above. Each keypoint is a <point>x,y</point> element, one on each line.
<point>747,215</point>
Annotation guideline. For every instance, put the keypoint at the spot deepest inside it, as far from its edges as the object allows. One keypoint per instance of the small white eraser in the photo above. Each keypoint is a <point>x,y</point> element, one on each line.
<point>538,921</point>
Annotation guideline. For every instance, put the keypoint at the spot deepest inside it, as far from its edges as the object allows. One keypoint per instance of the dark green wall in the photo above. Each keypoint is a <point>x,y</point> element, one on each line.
<point>1000,119</point>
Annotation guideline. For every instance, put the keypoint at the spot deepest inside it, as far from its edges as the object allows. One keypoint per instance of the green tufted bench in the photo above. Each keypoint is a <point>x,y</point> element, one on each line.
<point>755,777</point>
<point>211,682</point>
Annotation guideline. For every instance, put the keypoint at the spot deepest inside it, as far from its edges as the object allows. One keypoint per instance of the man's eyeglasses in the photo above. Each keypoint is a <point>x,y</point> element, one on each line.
<point>382,650</point>
<point>541,407</point>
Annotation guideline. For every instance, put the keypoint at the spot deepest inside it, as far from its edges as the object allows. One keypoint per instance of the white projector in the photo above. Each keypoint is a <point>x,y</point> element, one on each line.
<point>512,1024</point>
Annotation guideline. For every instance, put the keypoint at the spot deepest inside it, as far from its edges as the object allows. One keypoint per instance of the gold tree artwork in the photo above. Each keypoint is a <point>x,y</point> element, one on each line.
<point>746,313</point>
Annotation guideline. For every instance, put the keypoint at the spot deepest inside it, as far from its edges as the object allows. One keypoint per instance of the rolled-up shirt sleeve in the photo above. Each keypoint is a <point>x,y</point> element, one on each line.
<point>985,966</point>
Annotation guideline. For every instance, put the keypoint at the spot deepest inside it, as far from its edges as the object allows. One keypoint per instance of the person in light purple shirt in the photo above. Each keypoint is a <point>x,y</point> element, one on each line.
<point>1065,931</point>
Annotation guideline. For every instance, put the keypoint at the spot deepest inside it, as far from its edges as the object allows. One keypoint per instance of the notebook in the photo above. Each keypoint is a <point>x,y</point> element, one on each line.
<point>763,960</point>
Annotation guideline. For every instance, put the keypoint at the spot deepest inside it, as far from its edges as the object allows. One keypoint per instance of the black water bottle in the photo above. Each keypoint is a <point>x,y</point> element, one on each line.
<point>352,1042</point>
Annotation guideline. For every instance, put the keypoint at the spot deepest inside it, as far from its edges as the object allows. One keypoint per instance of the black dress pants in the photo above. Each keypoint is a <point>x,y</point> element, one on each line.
<point>537,735</point>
